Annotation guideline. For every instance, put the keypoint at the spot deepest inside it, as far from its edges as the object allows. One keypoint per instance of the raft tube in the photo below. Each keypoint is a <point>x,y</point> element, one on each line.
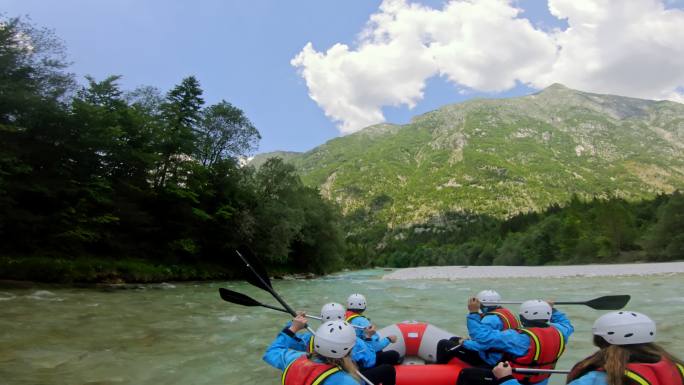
<point>417,344</point>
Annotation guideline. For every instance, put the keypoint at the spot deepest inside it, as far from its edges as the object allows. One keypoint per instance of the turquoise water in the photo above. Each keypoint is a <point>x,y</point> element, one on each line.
<point>183,333</point>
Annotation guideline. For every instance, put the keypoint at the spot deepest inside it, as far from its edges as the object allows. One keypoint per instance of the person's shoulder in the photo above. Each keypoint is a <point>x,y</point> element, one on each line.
<point>491,317</point>
<point>305,336</point>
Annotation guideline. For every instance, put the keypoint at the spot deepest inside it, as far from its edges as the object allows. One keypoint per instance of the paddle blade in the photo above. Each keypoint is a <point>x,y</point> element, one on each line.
<point>609,302</point>
<point>255,273</point>
<point>237,298</point>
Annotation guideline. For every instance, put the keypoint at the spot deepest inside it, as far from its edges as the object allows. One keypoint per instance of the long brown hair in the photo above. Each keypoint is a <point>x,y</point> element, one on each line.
<point>345,363</point>
<point>614,359</point>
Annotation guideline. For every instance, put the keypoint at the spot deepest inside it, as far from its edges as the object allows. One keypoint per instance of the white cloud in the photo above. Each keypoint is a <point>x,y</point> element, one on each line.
<point>485,46</point>
<point>633,48</point>
<point>352,85</point>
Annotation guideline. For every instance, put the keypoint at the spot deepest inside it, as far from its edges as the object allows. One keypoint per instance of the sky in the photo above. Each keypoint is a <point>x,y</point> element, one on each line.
<point>307,71</point>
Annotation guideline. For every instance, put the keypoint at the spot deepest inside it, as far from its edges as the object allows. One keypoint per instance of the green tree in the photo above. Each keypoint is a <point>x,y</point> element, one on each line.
<point>278,217</point>
<point>33,133</point>
<point>224,132</point>
<point>181,114</point>
<point>31,70</point>
<point>616,227</point>
<point>665,239</point>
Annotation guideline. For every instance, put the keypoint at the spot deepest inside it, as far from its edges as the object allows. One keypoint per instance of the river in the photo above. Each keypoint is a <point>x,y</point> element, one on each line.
<point>183,333</point>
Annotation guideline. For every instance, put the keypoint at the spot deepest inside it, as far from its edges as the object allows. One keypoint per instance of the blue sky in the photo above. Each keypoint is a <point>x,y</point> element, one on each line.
<point>241,52</point>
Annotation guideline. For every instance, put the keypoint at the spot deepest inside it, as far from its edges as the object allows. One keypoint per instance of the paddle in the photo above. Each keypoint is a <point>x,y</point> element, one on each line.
<point>608,302</point>
<point>259,277</point>
<point>256,273</point>
<point>531,370</point>
<point>241,299</point>
<point>244,300</point>
<point>262,281</point>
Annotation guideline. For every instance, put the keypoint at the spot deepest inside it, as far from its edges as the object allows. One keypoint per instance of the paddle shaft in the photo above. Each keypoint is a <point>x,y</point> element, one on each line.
<point>285,311</point>
<point>310,316</point>
<point>275,308</point>
<point>519,302</point>
<point>608,302</point>
<point>529,370</point>
<point>270,290</point>
<point>364,378</point>
<point>306,315</point>
<point>456,347</point>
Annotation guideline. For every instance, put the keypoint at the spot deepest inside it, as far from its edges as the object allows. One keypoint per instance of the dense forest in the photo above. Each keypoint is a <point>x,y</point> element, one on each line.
<point>596,231</point>
<point>98,183</point>
<point>103,184</point>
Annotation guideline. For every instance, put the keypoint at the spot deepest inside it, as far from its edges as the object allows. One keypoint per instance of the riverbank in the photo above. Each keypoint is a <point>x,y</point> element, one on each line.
<point>468,272</point>
<point>122,272</point>
<point>99,270</point>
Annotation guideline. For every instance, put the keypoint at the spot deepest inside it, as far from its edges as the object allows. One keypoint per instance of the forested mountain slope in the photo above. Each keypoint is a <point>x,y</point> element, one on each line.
<point>502,156</point>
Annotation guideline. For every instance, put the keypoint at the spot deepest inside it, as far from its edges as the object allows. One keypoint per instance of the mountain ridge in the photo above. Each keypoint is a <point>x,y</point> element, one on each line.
<point>502,156</point>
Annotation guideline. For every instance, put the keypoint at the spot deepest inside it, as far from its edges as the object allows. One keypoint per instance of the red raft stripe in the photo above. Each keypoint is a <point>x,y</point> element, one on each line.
<point>427,374</point>
<point>413,335</point>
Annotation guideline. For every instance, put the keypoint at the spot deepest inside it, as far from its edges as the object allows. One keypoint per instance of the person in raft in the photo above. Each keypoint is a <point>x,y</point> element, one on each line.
<point>627,355</point>
<point>362,353</point>
<point>538,344</point>
<point>329,364</point>
<point>356,305</point>
<point>492,315</point>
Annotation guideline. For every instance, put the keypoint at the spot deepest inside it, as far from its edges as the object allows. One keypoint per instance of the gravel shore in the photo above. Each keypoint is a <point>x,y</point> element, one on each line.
<point>466,272</point>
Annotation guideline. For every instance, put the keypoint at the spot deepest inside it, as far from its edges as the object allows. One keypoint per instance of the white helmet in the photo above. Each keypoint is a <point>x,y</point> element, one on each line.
<point>535,309</point>
<point>334,339</point>
<point>332,311</point>
<point>356,302</point>
<point>625,328</point>
<point>488,297</point>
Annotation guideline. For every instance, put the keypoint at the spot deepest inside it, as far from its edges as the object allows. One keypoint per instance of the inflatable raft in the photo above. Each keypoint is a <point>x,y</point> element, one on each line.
<point>417,344</point>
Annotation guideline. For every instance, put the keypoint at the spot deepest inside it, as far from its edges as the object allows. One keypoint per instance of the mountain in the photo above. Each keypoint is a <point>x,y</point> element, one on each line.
<point>501,157</point>
<point>260,159</point>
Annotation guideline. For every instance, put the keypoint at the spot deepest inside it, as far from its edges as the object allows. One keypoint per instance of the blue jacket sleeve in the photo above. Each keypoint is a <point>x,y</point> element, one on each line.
<point>485,338</point>
<point>377,344</point>
<point>492,321</point>
<point>561,322</point>
<point>363,354</point>
<point>297,341</point>
<point>279,354</point>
